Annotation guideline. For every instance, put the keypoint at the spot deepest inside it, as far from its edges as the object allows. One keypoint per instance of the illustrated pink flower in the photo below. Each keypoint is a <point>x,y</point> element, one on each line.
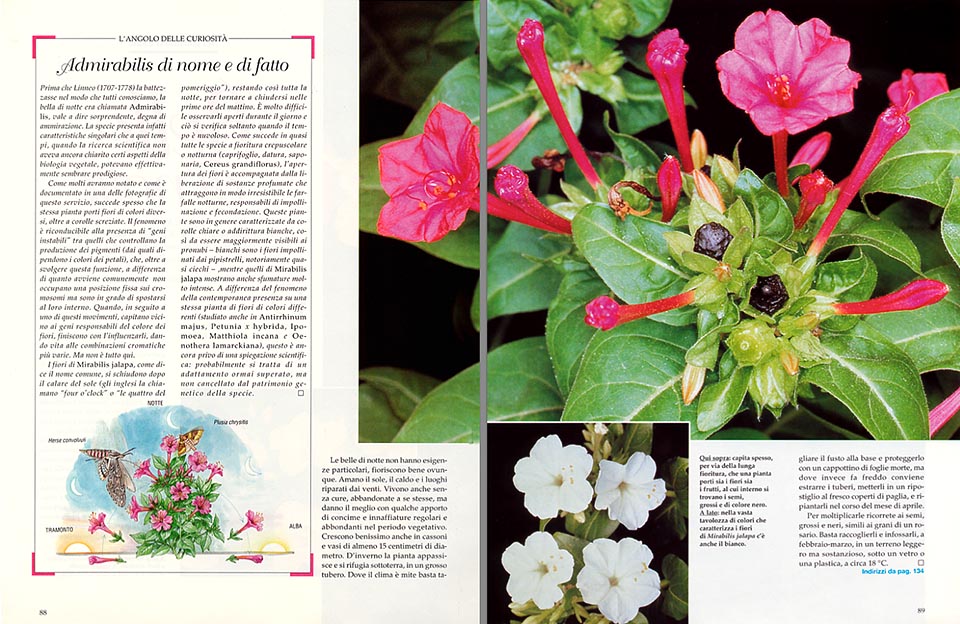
<point>605,313</point>
<point>201,505</point>
<point>431,178</point>
<point>513,186</point>
<point>667,59</point>
<point>253,558</point>
<point>254,521</point>
<point>169,445</point>
<point>161,521</point>
<point>215,469</point>
<point>813,151</point>
<point>180,491</point>
<point>502,148</point>
<point>136,509</point>
<point>93,559</point>
<point>891,126</point>
<point>143,470</point>
<point>530,44</point>
<point>670,183</point>
<point>916,294</point>
<point>942,413</point>
<point>197,461</point>
<point>788,78</point>
<point>915,89</point>
<point>813,191</point>
<point>97,523</point>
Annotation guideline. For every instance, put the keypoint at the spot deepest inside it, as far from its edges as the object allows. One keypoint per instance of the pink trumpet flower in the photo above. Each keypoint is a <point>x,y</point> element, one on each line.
<point>916,294</point>
<point>605,313</point>
<point>891,126</point>
<point>667,59</point>
<point>94,560</point>
<point>513,187</point>
<point>530,43</point>
<point>915,89</point>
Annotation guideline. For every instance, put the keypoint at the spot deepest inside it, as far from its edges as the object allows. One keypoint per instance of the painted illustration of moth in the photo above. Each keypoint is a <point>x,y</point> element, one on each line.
<point>111,469</point>
<point>188,441</point>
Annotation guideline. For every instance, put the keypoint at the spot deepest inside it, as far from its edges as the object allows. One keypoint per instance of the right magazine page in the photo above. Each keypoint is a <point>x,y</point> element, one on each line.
<point>723,295</point>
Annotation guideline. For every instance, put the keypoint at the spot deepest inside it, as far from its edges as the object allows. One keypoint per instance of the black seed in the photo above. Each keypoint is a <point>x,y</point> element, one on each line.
<point>712,240</point>
<point>769,294</point>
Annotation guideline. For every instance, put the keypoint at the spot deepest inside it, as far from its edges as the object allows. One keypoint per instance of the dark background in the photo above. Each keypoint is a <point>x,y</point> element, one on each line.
<point>509,521</point>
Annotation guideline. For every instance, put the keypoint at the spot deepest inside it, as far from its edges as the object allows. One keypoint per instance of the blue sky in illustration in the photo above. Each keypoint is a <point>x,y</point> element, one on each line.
<point>142,429</point>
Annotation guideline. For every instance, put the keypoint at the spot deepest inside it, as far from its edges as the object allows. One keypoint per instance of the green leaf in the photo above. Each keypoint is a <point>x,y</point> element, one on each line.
<point>457,27</point>
<point>771,216</point>
<point>573,545</point>
<point>674,569</point>
<point>950,226</point>
<point>632,149</point>
<point>631,256</point>
<point>721,401</point>
<point>504,19</point>
<point>377,422</point>
<point>521,276</point>
<point>458,88</point>
<point>678,480</point>
<point>930,335</point>
<point>739,433</point>
<point>632,372</point>
<point>649,14</point>
<point>924,163</point>
<point>876,380</point>
<point>856,228</point>
<point>403,389</point>
<point>372,195</point>
<point>520,386</point>
<point>510,100</point>
<point>847,280</point>
<point>567,334</point>
<point>637,437</point>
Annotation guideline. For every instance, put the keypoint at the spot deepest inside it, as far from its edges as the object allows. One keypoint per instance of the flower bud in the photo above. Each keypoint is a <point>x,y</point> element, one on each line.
<point>728,171</point>
<point>770,385</point>
<point>692,382</point>
<point>698,149</point>
<point>670,182</point>
<point>813,151</point>
<point>790,361</point>
<point>751,341</point>
<point>813,191</point>
<point>667,59</point>
<point>708,190</point>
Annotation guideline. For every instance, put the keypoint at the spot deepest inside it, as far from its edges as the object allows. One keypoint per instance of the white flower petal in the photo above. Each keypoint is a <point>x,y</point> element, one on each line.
<point>615,577</point>
<point>554,478</point>
<point>537,568</point>
<point>640,467</point>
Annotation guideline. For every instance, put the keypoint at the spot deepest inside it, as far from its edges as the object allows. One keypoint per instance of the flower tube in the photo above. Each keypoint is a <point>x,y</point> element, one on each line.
<point>530,44</point>
<point>942,413</point>
<point>891,126</point>
<point>605,313</point>
<point>502,148</point>
<point>667,59</point>
<point>513,186</point>
<point>916,294</point>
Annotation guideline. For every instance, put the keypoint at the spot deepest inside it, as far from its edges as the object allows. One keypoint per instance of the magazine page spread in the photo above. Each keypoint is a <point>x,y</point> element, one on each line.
<point>508,311</point>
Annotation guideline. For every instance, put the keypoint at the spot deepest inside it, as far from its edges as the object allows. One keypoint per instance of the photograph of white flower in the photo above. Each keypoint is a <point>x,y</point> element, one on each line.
<point>588,522</point>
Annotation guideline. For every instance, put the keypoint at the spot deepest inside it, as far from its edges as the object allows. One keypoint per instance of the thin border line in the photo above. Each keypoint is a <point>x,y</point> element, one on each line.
<point>482,288</point>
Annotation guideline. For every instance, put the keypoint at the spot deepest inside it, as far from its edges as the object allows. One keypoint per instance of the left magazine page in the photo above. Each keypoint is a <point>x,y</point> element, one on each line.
<point>187,191</point>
